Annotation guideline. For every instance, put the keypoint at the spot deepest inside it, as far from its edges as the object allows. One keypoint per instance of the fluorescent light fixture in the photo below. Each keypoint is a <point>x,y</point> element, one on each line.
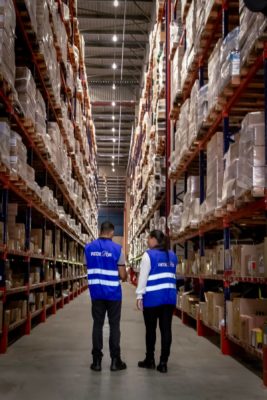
<point>113,129</point>
<point>113,169</point>
<point>113,104</point>
<point>112,164</point>
<point>113,157</point>
<point>114,38</point>
<point>114,140</point>
<point>113,117</point>
<point>116,3</point>
<point>114,66</point>
<point>114,86</point>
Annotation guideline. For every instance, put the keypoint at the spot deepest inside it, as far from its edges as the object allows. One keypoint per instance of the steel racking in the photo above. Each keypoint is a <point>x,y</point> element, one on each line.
<point>237,100</point>
<point>69,275</point>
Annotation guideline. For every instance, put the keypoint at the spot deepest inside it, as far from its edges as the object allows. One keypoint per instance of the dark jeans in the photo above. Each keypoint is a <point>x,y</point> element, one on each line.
<point>164,314</point>
<point>99,310</point>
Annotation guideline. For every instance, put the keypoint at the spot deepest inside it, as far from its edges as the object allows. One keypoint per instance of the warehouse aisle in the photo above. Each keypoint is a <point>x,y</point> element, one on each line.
<point>53,363</point>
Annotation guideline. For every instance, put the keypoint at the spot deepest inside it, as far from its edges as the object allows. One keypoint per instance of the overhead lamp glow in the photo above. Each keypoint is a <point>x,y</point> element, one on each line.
<point>114,140</point>
<point>114,66</point>
<point>113,169</point>
<point>113,104</point>
<point>112,164</point>
<point>113,130</point>
<point>114,38</point>
<point>113,117</point>
<point>113,157</point>
<point>114,86</point>
<point>116,3</point>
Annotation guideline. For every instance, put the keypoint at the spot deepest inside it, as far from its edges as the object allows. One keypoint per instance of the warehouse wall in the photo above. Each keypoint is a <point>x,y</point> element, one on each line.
<point>113,215</point>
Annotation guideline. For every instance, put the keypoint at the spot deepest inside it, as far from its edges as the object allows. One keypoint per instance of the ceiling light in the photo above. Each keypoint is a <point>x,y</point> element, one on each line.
<point>114,86</point>
<point>112,164</point>
<point>113,157</point>
<point>113,169</point>
<point>116,3</point>
<point>114,66</point>
<point>115,38</point>
<point>113,104</point>
<point>113,129</point>
<point>113,117</point>
<point>114,140</point>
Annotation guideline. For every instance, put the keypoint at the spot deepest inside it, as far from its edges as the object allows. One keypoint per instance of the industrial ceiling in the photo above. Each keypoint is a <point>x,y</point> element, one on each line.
<point>116,34</point>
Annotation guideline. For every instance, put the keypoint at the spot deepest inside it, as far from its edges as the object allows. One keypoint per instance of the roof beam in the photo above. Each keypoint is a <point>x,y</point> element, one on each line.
<point>107,45</point>
<point>92,14</point>
<point>106,66</point>
<point>110,31</point>
<point>129,104</point>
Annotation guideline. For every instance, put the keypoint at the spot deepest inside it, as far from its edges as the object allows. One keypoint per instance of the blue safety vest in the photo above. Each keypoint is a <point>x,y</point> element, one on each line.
<point>102,256</point>
<point>161,283</point>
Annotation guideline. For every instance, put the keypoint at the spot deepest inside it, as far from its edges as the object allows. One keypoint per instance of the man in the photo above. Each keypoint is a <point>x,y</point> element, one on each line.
<point>106,266</point>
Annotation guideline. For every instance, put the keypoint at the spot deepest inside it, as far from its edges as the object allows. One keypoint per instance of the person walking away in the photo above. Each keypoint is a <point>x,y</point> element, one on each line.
<point>106,266</point>
<point>156,297</point>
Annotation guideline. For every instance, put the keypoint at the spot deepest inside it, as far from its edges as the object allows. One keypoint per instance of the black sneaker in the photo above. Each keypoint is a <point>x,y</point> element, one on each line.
<point>96,365</point>
<point>162,367</point>
<point>117,364</point>
<point>149,364</point>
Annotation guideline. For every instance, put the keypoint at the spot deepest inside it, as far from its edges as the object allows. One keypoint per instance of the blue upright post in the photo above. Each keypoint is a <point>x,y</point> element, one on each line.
<point>265,98</point>
<point>225,17</point>
<point>5,214</point>
<point>186,243</point>
<point>226,137</point>
<point>28,225</point>
<point>202,176</point>
<point>201,74</point>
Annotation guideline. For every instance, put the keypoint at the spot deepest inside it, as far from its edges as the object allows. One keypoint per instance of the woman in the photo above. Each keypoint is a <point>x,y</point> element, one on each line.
<point>156,297</point>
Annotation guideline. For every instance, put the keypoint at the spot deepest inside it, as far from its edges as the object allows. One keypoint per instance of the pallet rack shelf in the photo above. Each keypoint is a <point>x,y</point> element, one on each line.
<point>234,101</point>
<point>36,283</point>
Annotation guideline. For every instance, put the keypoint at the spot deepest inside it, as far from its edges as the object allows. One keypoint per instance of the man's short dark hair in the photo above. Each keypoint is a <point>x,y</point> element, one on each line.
<point>107,227</point>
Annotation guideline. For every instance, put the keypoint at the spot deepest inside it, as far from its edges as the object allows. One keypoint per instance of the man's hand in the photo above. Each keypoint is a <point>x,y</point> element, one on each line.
<point>139,304</point>
<point>123,273</point>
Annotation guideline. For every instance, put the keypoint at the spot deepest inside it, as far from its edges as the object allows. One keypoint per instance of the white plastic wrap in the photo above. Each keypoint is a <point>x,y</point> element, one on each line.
<point>230,172</point>
<point>202,106</point>
<point>4,143</point>
<point>251,169</point>
<point>214,82</point>
<point>193,114</point>
<point>26,89</point>
<point>215,166</point>
<point>7,41</point>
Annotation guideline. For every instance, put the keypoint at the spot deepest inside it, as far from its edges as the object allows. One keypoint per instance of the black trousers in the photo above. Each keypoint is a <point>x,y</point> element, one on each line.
<point>99,310</point>
<point>164,314</point>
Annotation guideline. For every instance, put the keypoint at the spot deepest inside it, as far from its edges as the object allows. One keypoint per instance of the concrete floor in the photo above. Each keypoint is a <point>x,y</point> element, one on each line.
<point>53,363</point>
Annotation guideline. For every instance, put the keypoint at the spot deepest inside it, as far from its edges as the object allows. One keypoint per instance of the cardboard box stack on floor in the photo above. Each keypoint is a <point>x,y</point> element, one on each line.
<point>245,320</point>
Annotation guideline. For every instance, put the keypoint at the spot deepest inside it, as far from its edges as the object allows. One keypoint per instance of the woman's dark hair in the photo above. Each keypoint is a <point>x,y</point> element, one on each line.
<point>163,241</point>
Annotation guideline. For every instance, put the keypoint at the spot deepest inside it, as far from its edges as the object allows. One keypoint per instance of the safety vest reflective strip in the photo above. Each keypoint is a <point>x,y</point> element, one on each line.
<point>102,272</point>
<point>161,275</point>
<point>103,282</point>
<point>160,287</point>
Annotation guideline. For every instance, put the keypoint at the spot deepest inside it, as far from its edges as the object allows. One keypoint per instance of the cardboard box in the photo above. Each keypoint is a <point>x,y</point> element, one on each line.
<point>218,316</point>
<point>7,318</point>
<point>249,307</point>
<point>213,299</point>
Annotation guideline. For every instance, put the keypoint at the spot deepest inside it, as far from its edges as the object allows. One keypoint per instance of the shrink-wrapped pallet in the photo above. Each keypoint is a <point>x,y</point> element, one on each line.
<point>26,89</point>
<point>5,143</point>
<point>214,172</point>
<point>7,41</point>
<point>251,168</point>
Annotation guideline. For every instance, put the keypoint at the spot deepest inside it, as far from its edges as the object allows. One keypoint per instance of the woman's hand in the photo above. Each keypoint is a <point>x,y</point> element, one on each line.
<point>139,304</point>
